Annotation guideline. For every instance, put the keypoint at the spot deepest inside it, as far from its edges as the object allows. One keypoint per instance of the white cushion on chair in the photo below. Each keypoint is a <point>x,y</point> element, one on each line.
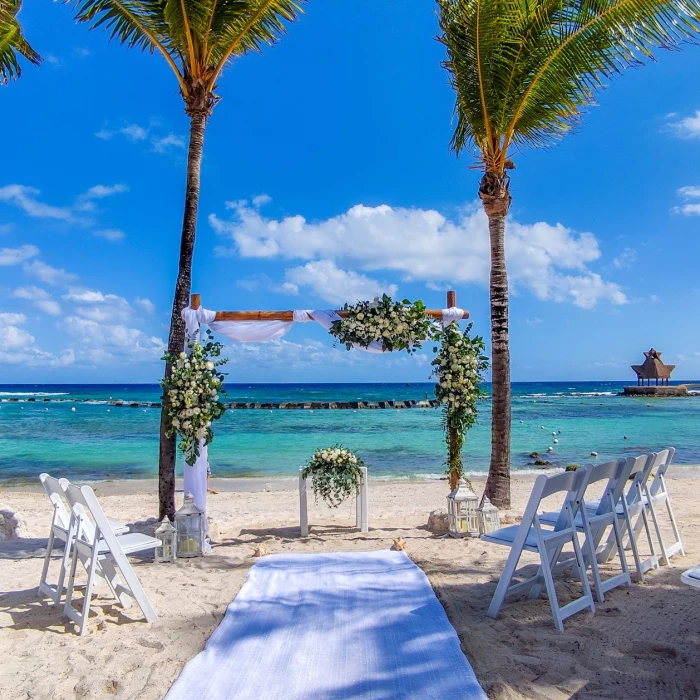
<point>692,576</point>
<point>506,536</point>
<point>132,542</point>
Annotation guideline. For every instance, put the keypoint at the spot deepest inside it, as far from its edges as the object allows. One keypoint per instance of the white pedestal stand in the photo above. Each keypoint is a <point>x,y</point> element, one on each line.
<point>362,505</point>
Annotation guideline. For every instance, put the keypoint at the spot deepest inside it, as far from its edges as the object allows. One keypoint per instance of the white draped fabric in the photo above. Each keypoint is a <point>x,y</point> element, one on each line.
<point>258,332</point>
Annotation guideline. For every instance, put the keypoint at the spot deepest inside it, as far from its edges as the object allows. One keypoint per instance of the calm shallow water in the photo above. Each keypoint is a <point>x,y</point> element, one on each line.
<point>98,441</point>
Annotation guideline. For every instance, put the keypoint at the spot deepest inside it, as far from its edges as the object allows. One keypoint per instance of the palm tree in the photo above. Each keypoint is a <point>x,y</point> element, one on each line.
<point>12,42</point>
<point>523,73</point>
<point>197,38</point>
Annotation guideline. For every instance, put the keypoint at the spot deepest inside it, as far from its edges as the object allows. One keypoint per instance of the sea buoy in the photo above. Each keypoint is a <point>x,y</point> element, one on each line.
<point>554,432</point>
<point>542,427</point>
<point>522,421</point>
<point>550,449</point>
<point>555,441</point>
<point>594,454</point>
<point>559,431</point>
<point>73,409</point>
<point>107,410</point>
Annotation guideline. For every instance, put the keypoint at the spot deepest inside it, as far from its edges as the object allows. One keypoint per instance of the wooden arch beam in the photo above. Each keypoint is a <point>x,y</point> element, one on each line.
<point>196,302</point>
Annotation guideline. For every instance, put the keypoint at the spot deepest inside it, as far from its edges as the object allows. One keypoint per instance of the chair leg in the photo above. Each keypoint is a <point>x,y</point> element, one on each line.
<point>68,608</point>
<point>621,550</point>
<point>657,528</point>
<point>582,571</point>
<point>551,591</point>
<point>503,584</point>
<point>674,525</point>
<point>111,576</point>
<point>44,587</point>
<point>88,594</point>
<point>589,544</point>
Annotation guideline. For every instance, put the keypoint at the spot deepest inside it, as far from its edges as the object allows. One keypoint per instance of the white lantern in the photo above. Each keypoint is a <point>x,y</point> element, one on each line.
<point>461,511</point>
<point>489,517</point>
<point>189,523</point>
<point>166,534</point>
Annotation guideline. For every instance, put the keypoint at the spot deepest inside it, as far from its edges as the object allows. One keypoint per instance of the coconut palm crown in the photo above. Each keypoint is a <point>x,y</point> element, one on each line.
<point>197,38</point>
<point>523,72</point>
<point>12,42</point>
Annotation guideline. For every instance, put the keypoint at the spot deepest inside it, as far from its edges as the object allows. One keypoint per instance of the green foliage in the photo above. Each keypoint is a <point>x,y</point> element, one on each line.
<point>197,37</point>
<point>459,368</point>
<point>572,467</point>
<point>397,325</point>
<point>524,71</point>
<point>335,474</point>
<point>191,394</point>
<point>12,42</point>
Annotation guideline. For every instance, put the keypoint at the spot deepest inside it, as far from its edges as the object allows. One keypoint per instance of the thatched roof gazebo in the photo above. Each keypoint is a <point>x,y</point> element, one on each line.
<point>653,368</point>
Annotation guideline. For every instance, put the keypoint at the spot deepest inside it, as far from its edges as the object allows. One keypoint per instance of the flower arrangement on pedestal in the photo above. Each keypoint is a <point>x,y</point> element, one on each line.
<point>335,474</point>
<point>191,394</point>
<point>397,325</point>
<point>458,367</point>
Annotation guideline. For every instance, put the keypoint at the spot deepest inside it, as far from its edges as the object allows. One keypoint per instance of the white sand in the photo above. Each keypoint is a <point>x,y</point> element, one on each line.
<point>643,642</point>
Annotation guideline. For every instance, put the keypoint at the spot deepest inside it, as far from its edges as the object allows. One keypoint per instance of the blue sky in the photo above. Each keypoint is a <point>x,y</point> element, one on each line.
<point>327,176</point>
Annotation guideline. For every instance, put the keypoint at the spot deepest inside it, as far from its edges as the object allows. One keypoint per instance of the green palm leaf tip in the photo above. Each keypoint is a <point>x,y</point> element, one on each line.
<point>524,71</point>
<point>196,37</point>
<point>12,42</point>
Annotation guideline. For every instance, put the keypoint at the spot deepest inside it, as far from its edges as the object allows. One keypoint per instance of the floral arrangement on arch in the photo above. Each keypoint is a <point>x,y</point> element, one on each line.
<point>192,394</point>
<point>335,474</point>
<point>458,367</point>
<point>397,325</point>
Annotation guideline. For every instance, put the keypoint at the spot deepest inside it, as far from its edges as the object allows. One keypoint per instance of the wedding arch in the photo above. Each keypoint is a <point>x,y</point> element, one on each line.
<point>267,326</point>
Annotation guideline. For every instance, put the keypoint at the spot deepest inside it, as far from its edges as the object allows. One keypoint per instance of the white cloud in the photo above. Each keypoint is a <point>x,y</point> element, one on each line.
<point>146,304</point>
<point>261,200</point>
<point>86,200</point>
<point>18,346</point>
<point>165,143</point>
<point>97,306</point>
<point>423,245</point>
<point>41,298</point>
<point>81,52</point>
<point>100,342</point>
<point>14,256</point>
<point>134,132</point>
<point>625,259</point>
<point>688,192</point>
<point>533,321</point>
<point>6,228</point>
<point>654,298</point>
<point>47,274</point>
<point>25,198</point>
<point>687,127</point>
<point>110,234</point>
<point>334,285</point>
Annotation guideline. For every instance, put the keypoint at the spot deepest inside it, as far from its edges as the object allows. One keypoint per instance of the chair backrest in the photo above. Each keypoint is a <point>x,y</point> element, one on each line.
<point>55,490</point>
<point>643,464</point>
<point>661,464</point>
<point>573,483</point>
<point>617,473</point>
<point>93,521</point>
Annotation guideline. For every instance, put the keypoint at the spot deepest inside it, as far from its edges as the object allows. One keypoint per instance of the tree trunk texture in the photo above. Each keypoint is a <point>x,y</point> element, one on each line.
<point>455,456</point>
<point>496,200</point>
<point>176,337</point>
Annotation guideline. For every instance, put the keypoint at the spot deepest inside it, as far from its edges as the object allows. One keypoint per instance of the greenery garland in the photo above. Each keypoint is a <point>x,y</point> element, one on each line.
<point>192,394</point>
<point>459,367</point>
<point>397,325</point>
<point>335,473</point>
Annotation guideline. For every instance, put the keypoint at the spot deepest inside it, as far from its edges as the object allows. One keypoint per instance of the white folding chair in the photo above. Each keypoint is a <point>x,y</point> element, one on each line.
<point>103,552</point>
<point>594,522</point>
<point>655,495</point>
<point>632,514</point>
<point>532,537</point>
<point>60,524</point>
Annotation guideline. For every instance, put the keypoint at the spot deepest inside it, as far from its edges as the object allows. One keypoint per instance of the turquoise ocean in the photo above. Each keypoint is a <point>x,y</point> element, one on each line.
<point>99,441</point>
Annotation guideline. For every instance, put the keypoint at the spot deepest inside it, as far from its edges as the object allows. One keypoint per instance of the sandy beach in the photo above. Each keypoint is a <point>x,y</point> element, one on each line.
<point>643,642</point>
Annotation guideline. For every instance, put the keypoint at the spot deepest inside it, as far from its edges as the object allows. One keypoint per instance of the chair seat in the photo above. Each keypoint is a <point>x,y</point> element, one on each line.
<point>117,528</point>
<point>506,536</point>
<point>692,577</point>
<point>552,517</point>
<point>132,542</point>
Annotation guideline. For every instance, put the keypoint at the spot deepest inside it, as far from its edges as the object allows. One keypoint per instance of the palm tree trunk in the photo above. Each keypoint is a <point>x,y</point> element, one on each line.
<point>176,337</point>
<point>498,482</point>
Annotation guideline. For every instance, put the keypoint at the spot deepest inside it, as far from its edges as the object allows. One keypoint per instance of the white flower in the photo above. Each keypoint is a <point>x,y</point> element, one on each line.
<point>183,355</point>
<point>209,365</point>
<point>176,423</point>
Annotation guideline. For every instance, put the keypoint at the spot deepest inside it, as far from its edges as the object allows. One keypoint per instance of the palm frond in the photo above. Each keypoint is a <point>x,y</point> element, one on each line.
<point>261,23</point>
<point>524,71</point>
<point>12,42</point>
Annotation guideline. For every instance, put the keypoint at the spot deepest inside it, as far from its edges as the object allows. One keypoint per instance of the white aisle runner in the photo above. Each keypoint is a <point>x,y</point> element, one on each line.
<point>331,627</point>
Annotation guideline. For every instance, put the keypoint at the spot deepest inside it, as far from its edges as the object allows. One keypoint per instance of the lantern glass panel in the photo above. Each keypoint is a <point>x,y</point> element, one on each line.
<point>166,533</point>
<point>189,522</point>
